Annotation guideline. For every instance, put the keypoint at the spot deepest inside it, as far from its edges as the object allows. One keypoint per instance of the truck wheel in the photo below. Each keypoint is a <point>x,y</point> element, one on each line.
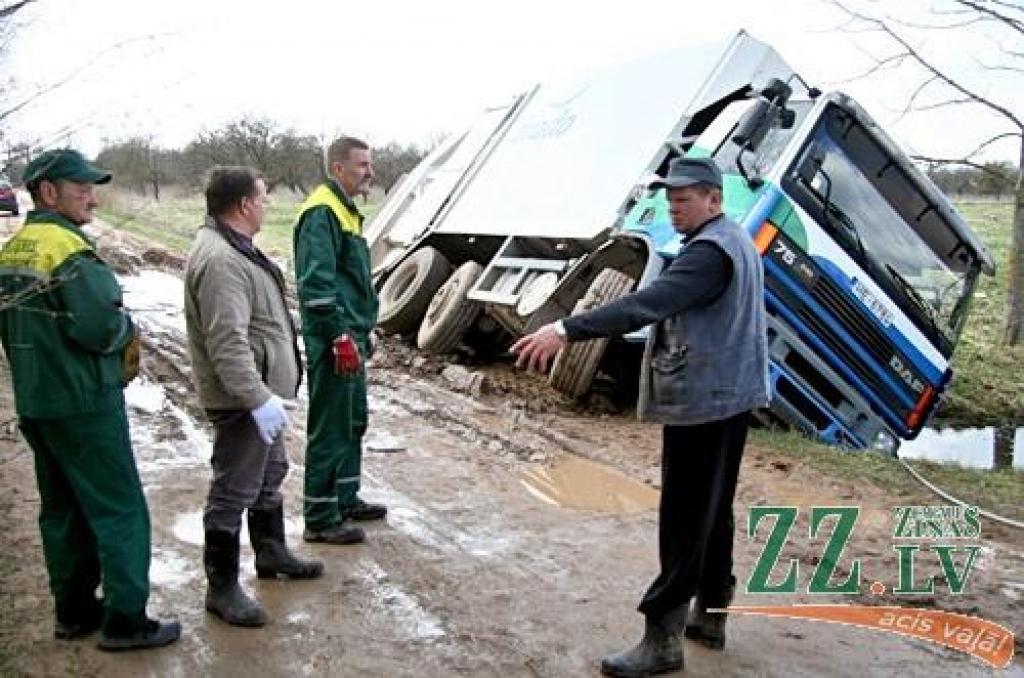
<point>575,365</point>
<point>450,314</point>
<point>409,288</point>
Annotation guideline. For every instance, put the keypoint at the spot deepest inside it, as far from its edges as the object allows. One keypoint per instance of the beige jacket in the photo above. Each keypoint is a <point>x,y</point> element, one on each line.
<point>240,335</point>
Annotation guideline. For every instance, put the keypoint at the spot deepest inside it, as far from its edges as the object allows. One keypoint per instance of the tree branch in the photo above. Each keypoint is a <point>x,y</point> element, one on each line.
<point>75,73</point>
<point>12,9</point>
<point>1008,5</point>
<point>910,52</point>
<point>954,161</point>
<point>943,104</point>
<point>1014,24</point>
<point>917,92</point>
<point>990,141</point>
<point>1011,69</point>
<point>880,65</point>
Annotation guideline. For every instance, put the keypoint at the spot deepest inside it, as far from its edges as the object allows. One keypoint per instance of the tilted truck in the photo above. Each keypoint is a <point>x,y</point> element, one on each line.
<point>542,209</point>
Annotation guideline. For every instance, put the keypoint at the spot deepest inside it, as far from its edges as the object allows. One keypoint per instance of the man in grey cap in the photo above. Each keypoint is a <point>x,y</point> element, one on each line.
<point>72,348</point>
<point>705,370</point>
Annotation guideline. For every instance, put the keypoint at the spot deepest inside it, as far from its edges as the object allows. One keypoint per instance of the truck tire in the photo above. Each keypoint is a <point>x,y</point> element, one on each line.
<point>450,313</point>
<point>576,364</point>
<point>408,290</point>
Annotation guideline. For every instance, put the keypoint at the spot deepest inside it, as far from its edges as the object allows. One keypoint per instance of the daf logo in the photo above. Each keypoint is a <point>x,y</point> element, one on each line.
<point>905,374</point>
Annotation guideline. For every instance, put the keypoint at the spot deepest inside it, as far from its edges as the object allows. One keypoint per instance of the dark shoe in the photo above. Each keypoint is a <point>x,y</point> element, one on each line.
<point>362,510</point>
<point>660,651</point>
<point>78,620</point>
<point>117,635</point>
<point>708,628</point>
<point>337,534</point>
<point>266,532</point>
<point>224,597</point>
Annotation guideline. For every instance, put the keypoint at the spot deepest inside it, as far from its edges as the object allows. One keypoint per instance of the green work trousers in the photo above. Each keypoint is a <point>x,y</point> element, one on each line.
<point>93,516</point>
<point>335,425</point>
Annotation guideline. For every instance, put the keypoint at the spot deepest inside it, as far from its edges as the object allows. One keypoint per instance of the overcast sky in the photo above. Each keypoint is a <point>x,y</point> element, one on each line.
<point>410,71</point>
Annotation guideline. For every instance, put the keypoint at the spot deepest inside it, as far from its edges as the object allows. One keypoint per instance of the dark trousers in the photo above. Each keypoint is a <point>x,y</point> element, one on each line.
<point>93,515</point>
<point>699,468</point>
<point>247,473</point>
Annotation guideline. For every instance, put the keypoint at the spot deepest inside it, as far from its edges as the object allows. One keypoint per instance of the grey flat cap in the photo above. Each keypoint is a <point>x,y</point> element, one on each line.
<point>684,172</point>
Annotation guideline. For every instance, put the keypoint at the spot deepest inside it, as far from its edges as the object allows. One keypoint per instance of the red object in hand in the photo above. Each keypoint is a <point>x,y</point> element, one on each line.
<point>346,355</point>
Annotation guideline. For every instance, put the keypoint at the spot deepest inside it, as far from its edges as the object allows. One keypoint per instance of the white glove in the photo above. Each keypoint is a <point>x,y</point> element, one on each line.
<point>270,418</point>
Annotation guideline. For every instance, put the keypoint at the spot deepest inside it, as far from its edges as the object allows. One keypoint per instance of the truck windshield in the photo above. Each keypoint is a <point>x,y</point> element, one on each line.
<point>845,178</point>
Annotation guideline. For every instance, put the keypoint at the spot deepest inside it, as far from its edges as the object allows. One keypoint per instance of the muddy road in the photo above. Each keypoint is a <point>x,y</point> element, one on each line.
<point>520,536</point>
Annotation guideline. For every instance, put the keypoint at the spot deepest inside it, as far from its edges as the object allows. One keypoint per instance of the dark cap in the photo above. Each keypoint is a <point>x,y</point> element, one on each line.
<point>63,163</point>
<point>684,172</point>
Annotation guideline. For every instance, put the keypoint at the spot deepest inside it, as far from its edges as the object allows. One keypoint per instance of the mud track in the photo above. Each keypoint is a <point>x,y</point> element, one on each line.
<point>490,562</point>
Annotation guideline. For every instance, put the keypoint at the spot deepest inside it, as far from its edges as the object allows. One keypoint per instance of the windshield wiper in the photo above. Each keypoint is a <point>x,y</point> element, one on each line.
<point>831,212</point>
<point>910,292</point>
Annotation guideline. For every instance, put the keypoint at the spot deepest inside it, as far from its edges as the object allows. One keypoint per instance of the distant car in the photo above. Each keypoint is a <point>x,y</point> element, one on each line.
<point>8,198</point>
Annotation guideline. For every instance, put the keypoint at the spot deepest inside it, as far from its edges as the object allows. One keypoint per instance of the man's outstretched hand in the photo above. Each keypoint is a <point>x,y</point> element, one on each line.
<point>536,350</point>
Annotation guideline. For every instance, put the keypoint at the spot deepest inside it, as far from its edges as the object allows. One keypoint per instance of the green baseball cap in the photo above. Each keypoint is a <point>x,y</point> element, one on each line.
<point>63,163</point>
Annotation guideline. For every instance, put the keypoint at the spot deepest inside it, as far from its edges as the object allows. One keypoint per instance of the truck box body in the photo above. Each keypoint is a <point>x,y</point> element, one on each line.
<point>868,269</point>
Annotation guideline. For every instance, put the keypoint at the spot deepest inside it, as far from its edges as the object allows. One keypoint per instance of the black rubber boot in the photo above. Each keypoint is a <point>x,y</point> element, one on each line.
<point>363,510</point>
<point>336,534</point>
<point>266,532</point>
<point>121,632</point>
<point>660,651</point>
<point>706,628</point>
<point>78,618</point>
<point>224,597</point>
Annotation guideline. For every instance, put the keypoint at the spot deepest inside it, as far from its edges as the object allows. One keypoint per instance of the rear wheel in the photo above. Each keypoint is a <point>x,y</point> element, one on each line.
<point>576,364</point>
<point>409,289</point>
<point>450,313</point>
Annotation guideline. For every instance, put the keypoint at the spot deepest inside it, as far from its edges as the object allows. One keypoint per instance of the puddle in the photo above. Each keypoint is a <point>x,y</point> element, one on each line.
<point>189,528</point>
<point>144,395</point>
<point>410,615</point>
<point>581,484</point>
<point>382,441</point>
<point>165,438</point>
<point>430,528</point>
<point>980,448</point>
<point>168,569</point>
<point>155,299</point>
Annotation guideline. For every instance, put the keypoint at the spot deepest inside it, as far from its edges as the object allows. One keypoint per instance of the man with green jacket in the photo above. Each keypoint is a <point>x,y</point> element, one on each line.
<point>69,341</point>
<point>338,304</point>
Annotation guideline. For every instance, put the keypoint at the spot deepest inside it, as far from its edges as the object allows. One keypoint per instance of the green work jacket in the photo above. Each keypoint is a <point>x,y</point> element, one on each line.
<point>332,267</point>
<point>62,323</point>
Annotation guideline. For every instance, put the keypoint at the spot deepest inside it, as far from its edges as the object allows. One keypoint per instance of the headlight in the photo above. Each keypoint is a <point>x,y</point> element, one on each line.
<point>886,443</point>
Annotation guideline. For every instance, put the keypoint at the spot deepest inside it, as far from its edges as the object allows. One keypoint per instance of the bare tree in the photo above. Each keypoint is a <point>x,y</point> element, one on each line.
<point>393,160</point>
<point>140,164</point>
<point>998,15</point>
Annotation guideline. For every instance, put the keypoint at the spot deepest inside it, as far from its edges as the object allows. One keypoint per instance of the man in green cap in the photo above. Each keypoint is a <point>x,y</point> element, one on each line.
<point>339,309</point>
<point>72,348</point>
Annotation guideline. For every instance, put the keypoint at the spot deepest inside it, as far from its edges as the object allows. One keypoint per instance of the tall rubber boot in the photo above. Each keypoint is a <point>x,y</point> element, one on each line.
<point>273,557</point>
<point>224,597</point>
<point>660,651</point>
<point>706,628</point>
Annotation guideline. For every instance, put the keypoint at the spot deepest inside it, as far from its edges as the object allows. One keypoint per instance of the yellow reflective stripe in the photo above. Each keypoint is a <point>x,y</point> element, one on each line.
<point>324,196</point>
<point>41,247</point>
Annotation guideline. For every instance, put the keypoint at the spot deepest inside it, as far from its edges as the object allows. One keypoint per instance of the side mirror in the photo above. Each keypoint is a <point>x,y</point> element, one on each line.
<point>754,126</point>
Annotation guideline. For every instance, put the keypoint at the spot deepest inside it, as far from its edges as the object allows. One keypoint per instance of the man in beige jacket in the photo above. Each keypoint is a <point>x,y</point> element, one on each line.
<point>245,360</point>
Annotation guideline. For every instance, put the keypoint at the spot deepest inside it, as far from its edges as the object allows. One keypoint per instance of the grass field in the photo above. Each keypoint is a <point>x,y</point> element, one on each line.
<point>988,386</point>
<point>173,221</point>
